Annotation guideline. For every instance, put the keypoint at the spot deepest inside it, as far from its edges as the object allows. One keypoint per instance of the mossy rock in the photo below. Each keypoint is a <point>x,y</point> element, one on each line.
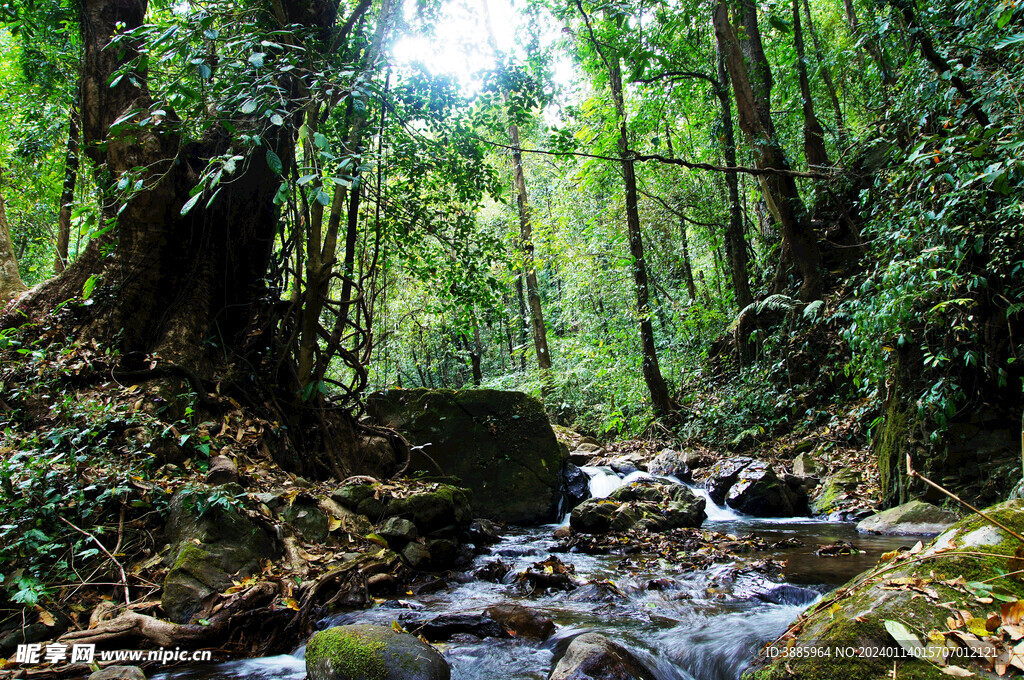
<point>915,518</point>
<point>855,616</point>
<point>365,652</point>
<point>500,444</point>
<point>433,509</point>
<point>208,549</point>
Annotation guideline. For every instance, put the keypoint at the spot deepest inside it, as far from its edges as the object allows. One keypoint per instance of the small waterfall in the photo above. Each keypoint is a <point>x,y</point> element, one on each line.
<point>604,480</point>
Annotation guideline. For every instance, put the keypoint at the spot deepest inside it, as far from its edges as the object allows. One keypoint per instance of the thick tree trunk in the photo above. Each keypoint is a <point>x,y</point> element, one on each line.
<point>10,279</point>
<point>814,135</point>
<point>779,188</point>
<point>735,243</point>
<point>67,195</point>
<point>661,400</point>
<point>524,330</point>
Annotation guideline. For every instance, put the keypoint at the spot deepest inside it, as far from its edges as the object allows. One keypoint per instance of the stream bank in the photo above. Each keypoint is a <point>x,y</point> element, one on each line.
<point>704,624</point>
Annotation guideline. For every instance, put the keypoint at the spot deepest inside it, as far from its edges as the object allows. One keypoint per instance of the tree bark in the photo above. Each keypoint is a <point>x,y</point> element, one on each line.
<point>826,73</point>
<point>735,242</point>
<point>10,279</point>
<point>67,195</point>
<point>691,288</point>
<point>814,135</point>
<point>779,189</point>
<point>661,400</point>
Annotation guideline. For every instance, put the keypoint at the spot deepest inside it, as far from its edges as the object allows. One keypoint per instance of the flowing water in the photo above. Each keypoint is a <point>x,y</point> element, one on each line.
<point>697,625</point>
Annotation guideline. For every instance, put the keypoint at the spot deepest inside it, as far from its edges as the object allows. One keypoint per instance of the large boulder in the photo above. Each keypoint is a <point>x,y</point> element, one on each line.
<point>679,464</point>
<point>835,489</point>
<point>723,475</point>
<point>915,518</point>
<point>640,505</point>
<point>364,652</point>
<point>211,545</point>
<point>941,595</point>
<point>500,444</point>
<point>594,657</point>
<point>758,491</point>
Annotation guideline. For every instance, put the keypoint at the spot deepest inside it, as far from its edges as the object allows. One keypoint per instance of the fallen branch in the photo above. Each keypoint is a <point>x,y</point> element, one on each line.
<point>124,576</point>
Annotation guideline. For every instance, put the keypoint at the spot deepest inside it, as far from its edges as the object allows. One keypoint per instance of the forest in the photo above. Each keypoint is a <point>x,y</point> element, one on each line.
<point>316,314</point>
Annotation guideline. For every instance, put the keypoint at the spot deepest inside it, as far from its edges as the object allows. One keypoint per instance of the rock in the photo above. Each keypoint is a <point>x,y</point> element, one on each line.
<point>522,622</point>
<point>416,554</point>
<point>363,652</point>
<point>397,528</point>
<point>437,507</point>
<point>758,491</point>
<point>445,626</point>
<point>495,571</point>
<point>801,485</point>
<point>351,522</point>
<point>582,458</point>
<point>595,657</point>
<point>679,464</point>
<point>222,471</point>
<point>230,546</point>
<point>309,519</point>
<point>915,518</point>
<point>589,441</point>
<point>642,505</point>
<point>562,532</point>
<point>483,532</point>
<point>982,552</point>
<point>623,465</point>
<point>723,475</point>
<point>118,673</point>
<point>575,486</point>
<point>805,466</point>
<point>500,444</point>
<point>833,490</point>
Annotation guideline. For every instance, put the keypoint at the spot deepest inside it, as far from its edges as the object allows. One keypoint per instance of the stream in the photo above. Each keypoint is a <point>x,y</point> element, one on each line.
<point>697,625</point>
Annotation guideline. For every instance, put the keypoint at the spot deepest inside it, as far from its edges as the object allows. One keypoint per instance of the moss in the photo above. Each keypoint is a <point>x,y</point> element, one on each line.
<point>352,656</point>
<point>891,450</point>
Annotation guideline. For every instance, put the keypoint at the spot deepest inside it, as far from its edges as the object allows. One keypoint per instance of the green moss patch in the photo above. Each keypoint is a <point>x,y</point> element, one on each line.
<point>352,656</point>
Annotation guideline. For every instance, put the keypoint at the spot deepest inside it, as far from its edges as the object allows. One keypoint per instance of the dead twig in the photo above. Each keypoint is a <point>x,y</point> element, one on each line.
<point>124,576</point>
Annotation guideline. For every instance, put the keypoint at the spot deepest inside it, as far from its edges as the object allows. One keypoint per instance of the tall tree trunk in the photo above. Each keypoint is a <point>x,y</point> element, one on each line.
<point>691,288</point>
<point>814,134</point>
<point>67,194</point>
<point>10,279</point>
<point>779,188</point>
<point>735,243</point>
<point>826,72</point>
<point>661,400</point>
<point>524,330</point>
<point>540,334</point>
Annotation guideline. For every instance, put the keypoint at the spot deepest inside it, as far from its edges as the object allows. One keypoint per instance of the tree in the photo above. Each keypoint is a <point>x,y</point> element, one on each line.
<point>185,277</point>
<point>10,280</point>
<point>751,85</point>
<point>661,400</point>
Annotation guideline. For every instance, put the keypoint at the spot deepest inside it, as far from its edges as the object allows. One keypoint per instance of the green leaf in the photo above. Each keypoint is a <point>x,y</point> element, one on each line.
<point>905,637</point>
<point>248,107</point>
<point>274,161</point>
<point>321,141</point>
<point>205,71</point>
<point>1004,18</point>
<point>89,286</point>
<point>256,59</point>
<point>276,119</point>
<point>190,203</point>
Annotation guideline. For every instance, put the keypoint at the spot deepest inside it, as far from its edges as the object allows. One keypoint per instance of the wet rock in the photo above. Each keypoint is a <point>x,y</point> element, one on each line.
<point>679,464</point>
<point>642,504</point>
<point>446,626</point>
<point>444,553</point>
<point>562,532</point>
<point>361,652</point>
<point>789,594</point>
<point>522,622</point>
<point>379,584</point>
<point>723,475</point>
<point>624,465</point>
<point>434,509</point>
<point>575,486</point>
<point>805,465</point>
<point>118,673</point>
<point>800,485</point>
<point>500,444</point>
<point>758,491</point>
<point>398,529</point>
<point>551,574</point>
<point>597,591</point>
<point>971,550</point>
<point>915,518</point>
<point>210,546</point>
<point>595,657</point>
<point>495,571</point>
<point>483,532</point>
<point>222,471</point>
